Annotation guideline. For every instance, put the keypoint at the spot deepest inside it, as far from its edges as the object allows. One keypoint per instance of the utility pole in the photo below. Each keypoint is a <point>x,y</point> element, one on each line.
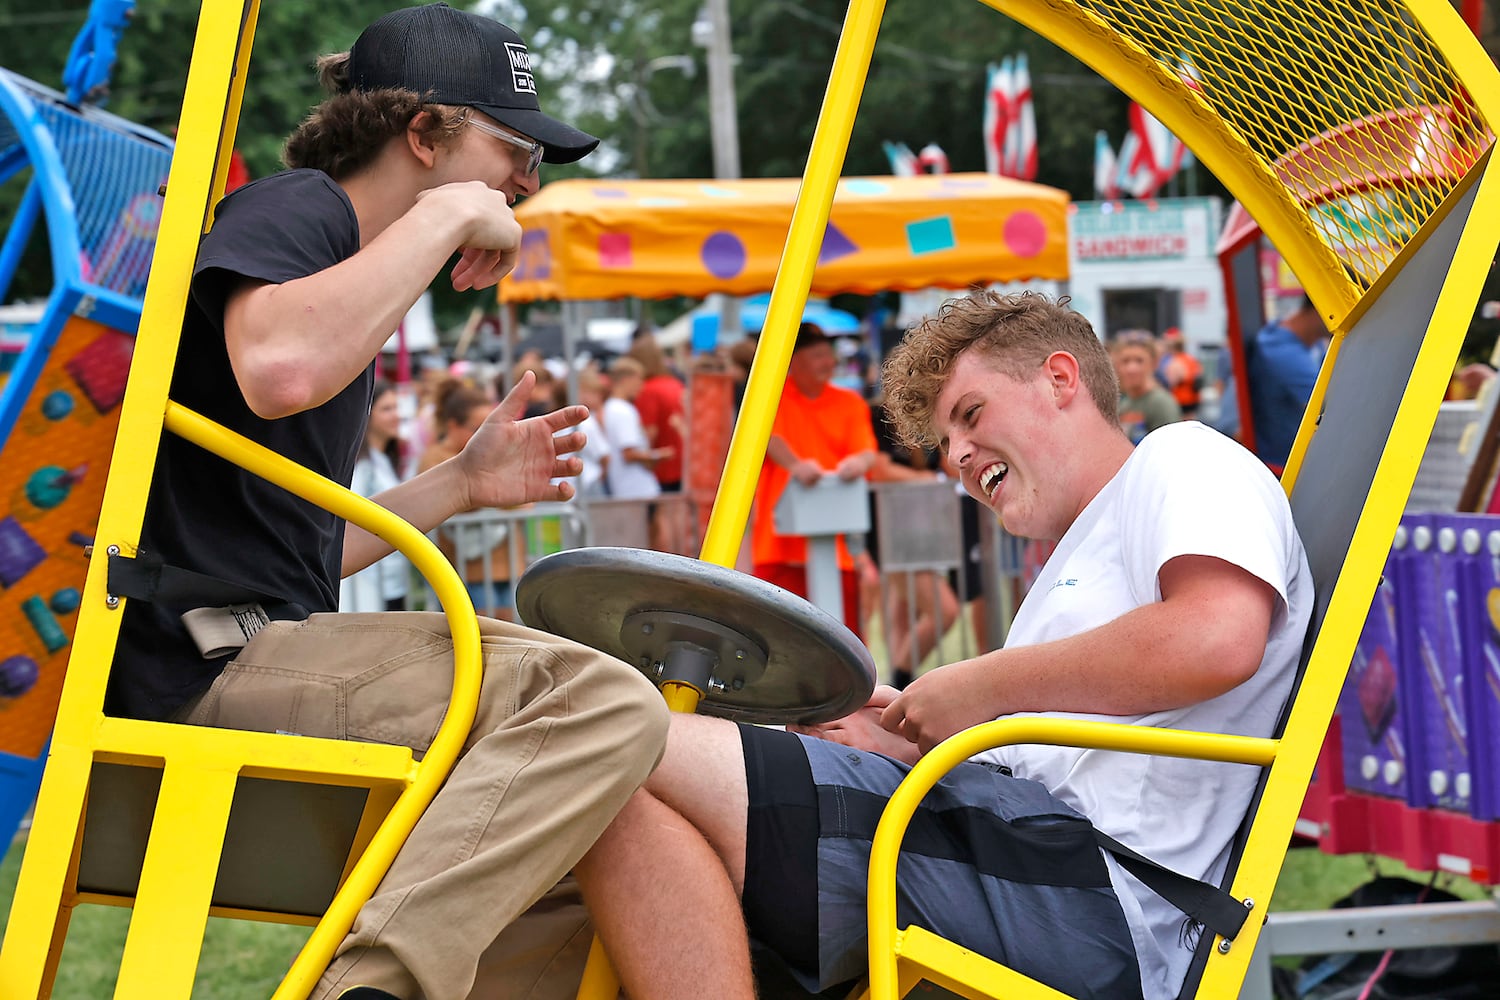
<point>724,130</point>
<point>722,114</point>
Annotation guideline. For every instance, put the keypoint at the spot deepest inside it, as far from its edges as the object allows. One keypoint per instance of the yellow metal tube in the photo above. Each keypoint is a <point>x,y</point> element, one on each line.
<point>1006,732</point>
<point>462,706</point>
<point>681,697</point>
<point>752,432</point>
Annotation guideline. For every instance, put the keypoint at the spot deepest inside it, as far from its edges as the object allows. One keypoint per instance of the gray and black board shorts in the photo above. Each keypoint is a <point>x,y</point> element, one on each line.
<point>993,863</point>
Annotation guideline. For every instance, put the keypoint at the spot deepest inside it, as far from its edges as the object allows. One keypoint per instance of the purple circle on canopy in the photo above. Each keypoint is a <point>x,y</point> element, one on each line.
<point>723,255</point>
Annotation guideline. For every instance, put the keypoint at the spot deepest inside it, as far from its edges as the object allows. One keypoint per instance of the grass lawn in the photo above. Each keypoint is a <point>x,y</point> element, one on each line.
<point>243,960</point>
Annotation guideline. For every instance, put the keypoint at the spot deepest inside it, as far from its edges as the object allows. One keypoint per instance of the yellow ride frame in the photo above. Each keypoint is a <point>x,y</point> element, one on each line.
<point>200,765</point>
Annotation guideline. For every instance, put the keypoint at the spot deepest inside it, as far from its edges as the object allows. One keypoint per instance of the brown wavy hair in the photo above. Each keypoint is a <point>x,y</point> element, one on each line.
<point>1014,332</point>
<point>345,133</point>
<point>453,401</point>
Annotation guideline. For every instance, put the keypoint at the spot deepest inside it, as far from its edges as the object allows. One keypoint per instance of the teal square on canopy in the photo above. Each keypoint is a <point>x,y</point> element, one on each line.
<point>930,235</point>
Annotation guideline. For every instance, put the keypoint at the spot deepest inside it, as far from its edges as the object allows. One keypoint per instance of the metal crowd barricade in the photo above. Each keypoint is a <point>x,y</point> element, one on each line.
<point>919,532</point>
<point>519,536</point>
<point>921,545</point>
<point>923,549</point>
<point>627,523</point>
<point>503,543</point>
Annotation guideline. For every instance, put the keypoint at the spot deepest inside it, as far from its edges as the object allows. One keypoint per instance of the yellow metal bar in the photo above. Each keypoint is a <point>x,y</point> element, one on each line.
<point>177,881</point>
<point>463,704</point>
<point>1441,22</point>
<point>28,945</point>
<point>681,697</point>
<point>926,956</point>
<point>599,979</point>
<point>232,103</point>
<point>1005,732</point>
<point>182,224</point>
<point>752,431</point>
<point>59,812</point>
<point>255,755</point>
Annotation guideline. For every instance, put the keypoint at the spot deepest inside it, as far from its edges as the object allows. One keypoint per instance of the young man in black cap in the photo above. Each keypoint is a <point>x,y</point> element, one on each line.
<point>433,131</point>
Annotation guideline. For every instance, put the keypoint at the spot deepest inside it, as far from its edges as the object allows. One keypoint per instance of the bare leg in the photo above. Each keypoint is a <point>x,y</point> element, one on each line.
<point>937,610</point>
<point>663,883</point>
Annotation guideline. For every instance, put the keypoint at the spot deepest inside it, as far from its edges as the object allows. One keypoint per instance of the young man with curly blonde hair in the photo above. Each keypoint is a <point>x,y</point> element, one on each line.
<point>1178,596</point>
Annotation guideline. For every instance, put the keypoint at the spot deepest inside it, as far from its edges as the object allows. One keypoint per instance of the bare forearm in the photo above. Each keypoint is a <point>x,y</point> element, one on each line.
<point>424,502</point>
<point>1148,660</point>
<point>778,451</point>
<point>1161,656</point>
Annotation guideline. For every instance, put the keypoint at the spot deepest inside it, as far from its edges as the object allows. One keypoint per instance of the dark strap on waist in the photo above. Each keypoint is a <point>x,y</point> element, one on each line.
<point>1207,904</point>
<point>146,577</point>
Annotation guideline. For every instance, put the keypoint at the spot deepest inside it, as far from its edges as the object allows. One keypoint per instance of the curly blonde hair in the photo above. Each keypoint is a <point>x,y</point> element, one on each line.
<point>1014,332</point>
<point>345,133</point>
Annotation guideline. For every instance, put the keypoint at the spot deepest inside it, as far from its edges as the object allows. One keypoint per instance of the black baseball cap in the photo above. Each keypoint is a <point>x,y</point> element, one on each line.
<point>454,57</point>
<point>810,335</point>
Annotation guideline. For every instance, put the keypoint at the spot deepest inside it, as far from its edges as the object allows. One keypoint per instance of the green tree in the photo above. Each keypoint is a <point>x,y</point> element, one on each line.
<point>629,71</point>
<point>622,65</point>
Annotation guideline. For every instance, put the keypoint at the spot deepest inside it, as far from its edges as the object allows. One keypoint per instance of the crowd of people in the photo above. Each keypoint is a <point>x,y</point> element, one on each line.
<point>634,434</point>
<point>831,421</point>
<point>1162,382</point>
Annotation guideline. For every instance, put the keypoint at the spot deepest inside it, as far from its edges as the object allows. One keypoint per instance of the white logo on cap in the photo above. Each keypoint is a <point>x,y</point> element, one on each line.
<point>520,69</point>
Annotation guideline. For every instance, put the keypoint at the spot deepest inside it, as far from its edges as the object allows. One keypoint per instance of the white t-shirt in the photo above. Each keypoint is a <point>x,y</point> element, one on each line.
<point>589,482</point>
<point>1185,490</point>
<point>386,579</point>
<point>622,425</point>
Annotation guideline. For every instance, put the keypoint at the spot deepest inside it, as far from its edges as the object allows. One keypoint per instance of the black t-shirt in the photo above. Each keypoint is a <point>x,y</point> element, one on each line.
<point>207,515</point>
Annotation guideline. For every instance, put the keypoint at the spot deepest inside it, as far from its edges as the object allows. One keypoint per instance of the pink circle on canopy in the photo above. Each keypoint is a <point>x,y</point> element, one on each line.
<point>1025,234</point>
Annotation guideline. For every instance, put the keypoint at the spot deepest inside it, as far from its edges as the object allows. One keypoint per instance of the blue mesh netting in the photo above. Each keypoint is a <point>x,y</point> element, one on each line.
<point>113,171</point>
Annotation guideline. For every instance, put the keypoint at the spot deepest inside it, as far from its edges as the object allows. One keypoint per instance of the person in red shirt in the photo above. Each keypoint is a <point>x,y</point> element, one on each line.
<point>660,405</point>
<point>820,429</point>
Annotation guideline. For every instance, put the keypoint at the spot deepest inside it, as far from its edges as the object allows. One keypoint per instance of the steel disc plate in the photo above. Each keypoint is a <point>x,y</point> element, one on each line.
<point>815,668</point>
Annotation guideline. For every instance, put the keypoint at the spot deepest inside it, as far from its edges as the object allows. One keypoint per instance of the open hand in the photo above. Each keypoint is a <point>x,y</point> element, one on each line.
<point>807,472</point>
<point>510,461</point>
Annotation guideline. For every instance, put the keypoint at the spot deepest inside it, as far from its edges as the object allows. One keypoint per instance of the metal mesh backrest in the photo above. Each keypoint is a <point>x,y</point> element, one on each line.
<point>113,171</point>
<point>1327,97</point>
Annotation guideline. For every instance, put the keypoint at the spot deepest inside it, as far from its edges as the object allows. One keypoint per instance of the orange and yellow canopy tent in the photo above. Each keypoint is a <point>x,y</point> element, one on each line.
<point>589,240</point>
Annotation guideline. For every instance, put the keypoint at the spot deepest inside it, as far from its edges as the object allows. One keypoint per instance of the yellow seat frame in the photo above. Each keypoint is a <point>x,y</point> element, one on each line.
<point>1283,194</point>
<point>200,767</point>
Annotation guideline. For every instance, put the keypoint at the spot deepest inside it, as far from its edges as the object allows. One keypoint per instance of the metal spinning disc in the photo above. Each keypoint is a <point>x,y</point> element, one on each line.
<point>814,669</point>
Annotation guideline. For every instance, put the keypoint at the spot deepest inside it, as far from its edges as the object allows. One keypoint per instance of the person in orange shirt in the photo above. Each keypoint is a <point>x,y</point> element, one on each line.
<point>820,430</point>
<point>1180,373</point>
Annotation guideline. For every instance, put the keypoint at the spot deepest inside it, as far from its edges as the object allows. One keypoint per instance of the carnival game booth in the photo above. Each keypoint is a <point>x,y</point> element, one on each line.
<point>652,239</point>
<point>93,181</point>
<point>599,240</point>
